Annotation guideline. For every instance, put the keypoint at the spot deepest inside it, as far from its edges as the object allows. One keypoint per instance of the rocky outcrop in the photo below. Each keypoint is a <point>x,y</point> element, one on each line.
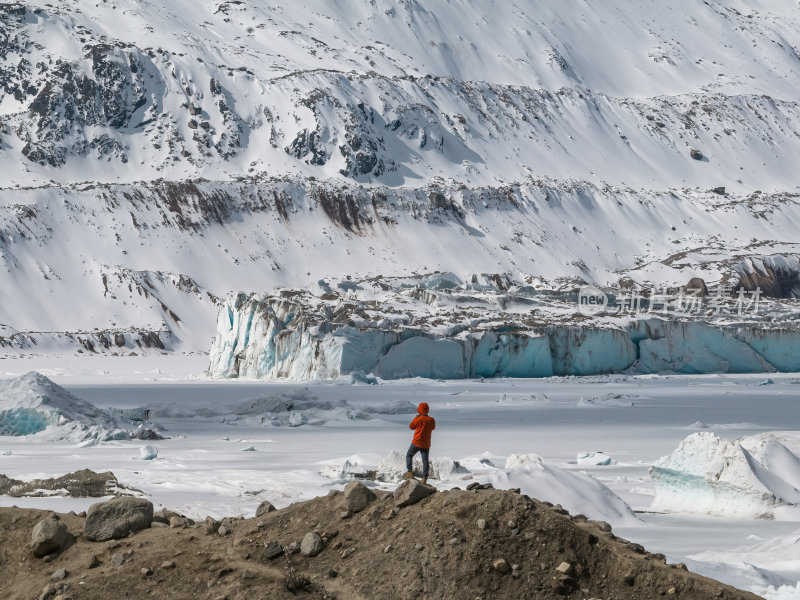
<point>479,539</point>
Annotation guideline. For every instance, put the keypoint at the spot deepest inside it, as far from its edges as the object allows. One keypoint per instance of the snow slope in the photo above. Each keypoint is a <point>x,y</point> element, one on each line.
<point>155,157</point>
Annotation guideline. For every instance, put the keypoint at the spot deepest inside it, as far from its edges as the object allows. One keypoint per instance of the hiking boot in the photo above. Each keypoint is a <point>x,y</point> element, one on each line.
<point>424,480</point>
<point>409,475</point>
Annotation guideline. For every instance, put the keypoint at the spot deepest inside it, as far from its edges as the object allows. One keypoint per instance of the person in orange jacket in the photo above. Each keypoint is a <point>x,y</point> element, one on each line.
<point>423,425</point>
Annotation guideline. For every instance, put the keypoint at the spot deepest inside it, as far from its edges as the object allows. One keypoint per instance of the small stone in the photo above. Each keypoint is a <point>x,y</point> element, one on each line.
<point>146,571</point>
<point>178,522</point>
<point>247,574</point>
<point>117,559</point>
<point>333,574</point>
<point>481,524</point>
<point>564,568</point>
<point>293,548</point>
<point>501,566</point>
<point>672,591</point>
<point>158,524</point>
<point>94,562</point>
<point>629,580</point>
<point>602,525</point>
<point>59,575</point>
<point>223,531</point>
<point>272,550</point>
<point>387,549</point>
<point>311,544</point>
<point>210,526</point>
<point>455,541</point>
<point>419,547</point>
<point>512,524</point>
<point>167,564</point>
<point>264,508</point>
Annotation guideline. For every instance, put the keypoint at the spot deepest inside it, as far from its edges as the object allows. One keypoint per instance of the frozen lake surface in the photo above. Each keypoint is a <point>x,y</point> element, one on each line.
<point>203,468</point>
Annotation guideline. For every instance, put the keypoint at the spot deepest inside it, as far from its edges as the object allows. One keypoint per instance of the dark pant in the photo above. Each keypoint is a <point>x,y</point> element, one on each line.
<point>423,452</point>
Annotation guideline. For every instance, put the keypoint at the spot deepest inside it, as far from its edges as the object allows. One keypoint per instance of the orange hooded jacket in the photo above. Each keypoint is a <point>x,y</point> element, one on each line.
<point>422,425</point>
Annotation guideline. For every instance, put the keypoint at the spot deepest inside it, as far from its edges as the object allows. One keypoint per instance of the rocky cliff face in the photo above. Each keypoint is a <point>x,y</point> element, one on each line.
<point>155,158</point>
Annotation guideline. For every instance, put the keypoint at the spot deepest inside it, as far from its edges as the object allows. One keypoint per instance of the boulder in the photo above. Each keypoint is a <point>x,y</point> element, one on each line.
<point>311,544</point>
<point>357,496</point>
<point>697,285</point>
<point>117,518</point>
<point>264,508</point>
<point>49,535</point>
<point>412,491</point>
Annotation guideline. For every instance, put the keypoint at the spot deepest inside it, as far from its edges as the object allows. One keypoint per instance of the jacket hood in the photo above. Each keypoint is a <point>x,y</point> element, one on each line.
<point>423,408</point>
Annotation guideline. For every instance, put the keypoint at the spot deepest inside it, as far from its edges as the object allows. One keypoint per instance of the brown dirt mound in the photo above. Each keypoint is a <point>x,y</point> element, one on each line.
<point>487,544</point>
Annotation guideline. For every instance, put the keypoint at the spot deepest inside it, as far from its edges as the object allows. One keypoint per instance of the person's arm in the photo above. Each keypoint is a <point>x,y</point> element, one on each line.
<point>433,426</point>
<point>413,424</point>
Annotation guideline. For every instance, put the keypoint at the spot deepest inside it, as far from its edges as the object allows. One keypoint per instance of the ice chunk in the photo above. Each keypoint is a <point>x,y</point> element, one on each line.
<point>22,421</point>
<point>361,377</point>
<point>516,461</point>
<point>34,405</point>
<point>587,459</point>
<point>357,466</point>
<point>148,452</point>
<point>710,475</point>
<point>393,467</point>
<point>249,449</point>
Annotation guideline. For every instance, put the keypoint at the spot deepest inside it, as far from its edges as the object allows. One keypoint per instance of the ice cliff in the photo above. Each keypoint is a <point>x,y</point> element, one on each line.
<point>431,329</point>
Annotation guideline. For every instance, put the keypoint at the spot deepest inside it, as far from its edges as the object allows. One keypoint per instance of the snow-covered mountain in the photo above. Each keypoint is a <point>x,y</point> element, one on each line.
<point>155,156</point>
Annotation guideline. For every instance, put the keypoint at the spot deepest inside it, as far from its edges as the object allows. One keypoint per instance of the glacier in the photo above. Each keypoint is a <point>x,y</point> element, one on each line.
<point>260,144</point>
<point>394,331</point>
